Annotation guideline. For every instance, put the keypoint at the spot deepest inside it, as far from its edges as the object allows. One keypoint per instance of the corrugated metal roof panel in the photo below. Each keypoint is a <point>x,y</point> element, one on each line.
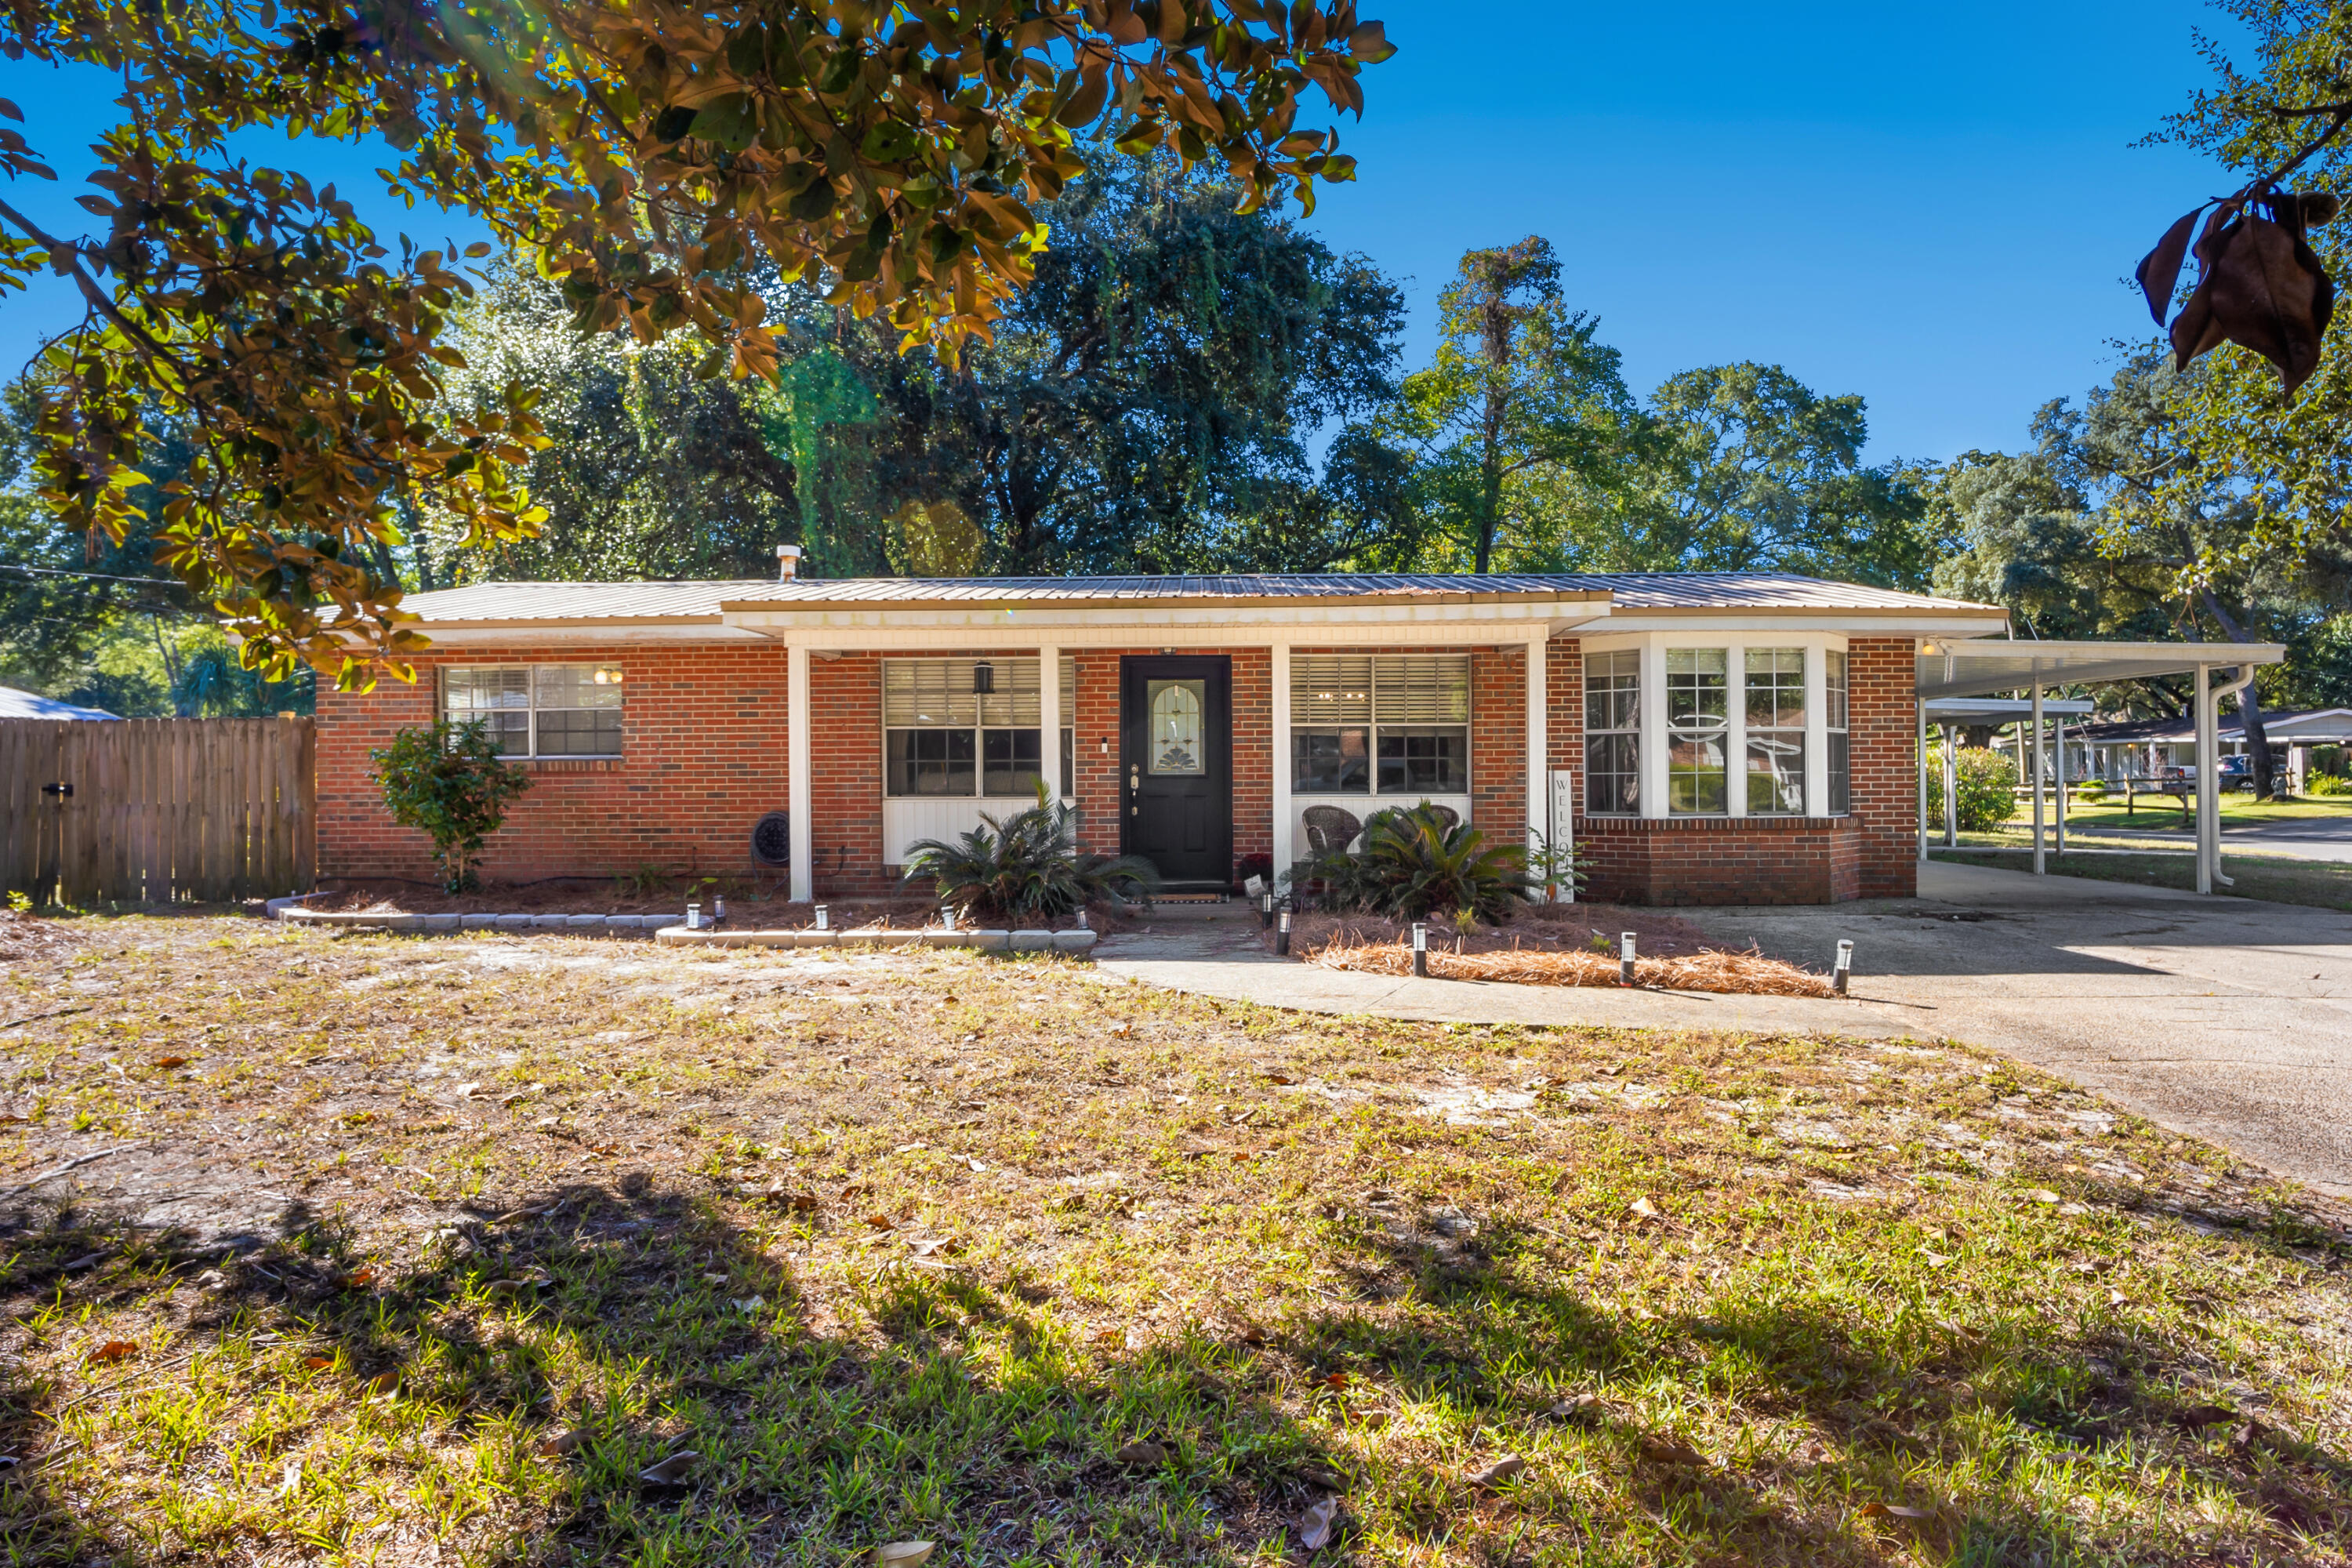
<point>673,600</point>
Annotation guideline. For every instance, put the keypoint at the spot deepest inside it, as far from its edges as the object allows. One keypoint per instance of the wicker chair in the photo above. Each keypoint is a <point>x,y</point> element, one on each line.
<point>1330,830</point>
<point>1447,818</point>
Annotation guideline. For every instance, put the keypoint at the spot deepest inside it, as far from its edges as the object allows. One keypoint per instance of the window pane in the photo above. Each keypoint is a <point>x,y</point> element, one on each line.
<point>929,762</point>
<point>1330,762</point>
<point>1010,763</point>
<point>509,731</point>
<point>1775,773</point>
<point>1330,689</point>
<point>1612,690</point>
<point>1694,776</point>
<point>1612,775</point>
<point>576,686</point>
<point>1833,693</point>
<point>1421,688</point>
<point>1776,688</point>
<point>1841,774</point>
<point>1069,760</point>
<point>579,732</point>
<point>488,687</point>
<point>1016,699</point>
<point>1176,744</point>
<point>928,692</point>
<point>1424,761</point>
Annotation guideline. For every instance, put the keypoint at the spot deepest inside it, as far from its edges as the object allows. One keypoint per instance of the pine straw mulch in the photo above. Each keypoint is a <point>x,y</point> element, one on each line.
<point>25,937</point>
<point>1559,945</point>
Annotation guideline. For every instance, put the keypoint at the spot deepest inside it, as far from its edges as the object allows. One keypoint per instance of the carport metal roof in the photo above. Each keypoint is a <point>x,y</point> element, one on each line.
<point>2001,709</point>
<point>1979,666</point>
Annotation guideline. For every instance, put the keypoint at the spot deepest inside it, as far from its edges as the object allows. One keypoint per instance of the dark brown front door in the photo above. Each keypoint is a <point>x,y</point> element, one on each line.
<point>1176,753</point>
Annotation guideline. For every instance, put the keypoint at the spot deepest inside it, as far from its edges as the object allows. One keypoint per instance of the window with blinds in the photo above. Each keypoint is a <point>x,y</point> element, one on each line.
<point>1379,723</point>
<point>539,710</point>
<point>968,726</point>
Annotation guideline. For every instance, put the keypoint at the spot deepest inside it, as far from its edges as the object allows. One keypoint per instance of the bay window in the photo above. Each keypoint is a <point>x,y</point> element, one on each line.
<point>1379,724</point>
<point>970,727</point>
<point>1698,719</point>
<point>1743,728</point>
<point>1839,742</point>
<point>1613,733</point>
<point>539,710</point>
<point>1774,686</point>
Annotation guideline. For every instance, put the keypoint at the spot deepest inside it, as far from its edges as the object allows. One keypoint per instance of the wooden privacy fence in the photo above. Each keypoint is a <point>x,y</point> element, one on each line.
<point>130,810</point>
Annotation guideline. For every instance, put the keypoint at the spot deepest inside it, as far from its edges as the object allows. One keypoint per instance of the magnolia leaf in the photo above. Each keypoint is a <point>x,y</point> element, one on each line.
<point>2267,291</point>
<point>2160,270</point>
<point>1501,1470</point>
<point>2041,1194</point>
<point>561,1443</point>
<point>904,1554</point>
<point>1892,1511</point>
<point>1641,1208</point>
<point>113,1351</point>
<point>672,1471</point>
<point>1316,1525</point>
<point>1370,43</point>
<point>1143,1454</point>
<point>1580,1407</point>
<point>1671,1451</point>
<point>2197,1417</point>
<point>165,1064</point>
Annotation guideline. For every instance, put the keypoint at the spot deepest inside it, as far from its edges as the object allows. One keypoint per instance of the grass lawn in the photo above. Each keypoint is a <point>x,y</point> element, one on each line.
<point>428,1250</point>
<point>2239,810</point>
<point>2322,884</point>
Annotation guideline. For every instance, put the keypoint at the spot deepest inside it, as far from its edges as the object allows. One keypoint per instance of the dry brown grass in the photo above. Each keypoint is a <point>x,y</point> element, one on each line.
<point>911,1245</point>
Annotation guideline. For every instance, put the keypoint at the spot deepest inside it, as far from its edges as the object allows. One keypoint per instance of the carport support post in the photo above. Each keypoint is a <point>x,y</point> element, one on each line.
<point>1050,720</point>
<point>1285,816</point>
<point>2040,867</point>
<point>1919,766</point>
<point>1951,791</point>
<point>797,793</point>
<point>2058,755</point>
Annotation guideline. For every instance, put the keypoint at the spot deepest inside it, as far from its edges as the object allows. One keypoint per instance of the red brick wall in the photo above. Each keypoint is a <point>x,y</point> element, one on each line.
<point>702,759</point>
<point>1498,744</point>
<point>846,777</point>
<point>1720,859</point>
<point>1883,717</point>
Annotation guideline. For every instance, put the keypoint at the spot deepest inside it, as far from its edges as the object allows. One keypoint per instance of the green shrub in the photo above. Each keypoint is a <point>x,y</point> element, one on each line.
<point>1413,864</point>
<point>1986,778</point>
<point>447,782</point>
<point>1026,867</point>
<point>2091,789</point>
<point>2328,784</point>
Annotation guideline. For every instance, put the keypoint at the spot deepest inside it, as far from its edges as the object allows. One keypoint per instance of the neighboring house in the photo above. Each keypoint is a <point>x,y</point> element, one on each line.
<point>2144,748</point>
<point>16,704</point>
<point>1708,736</point>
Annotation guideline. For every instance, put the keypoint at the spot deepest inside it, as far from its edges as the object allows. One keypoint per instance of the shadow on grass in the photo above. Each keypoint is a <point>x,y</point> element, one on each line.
<point>957,1409</point>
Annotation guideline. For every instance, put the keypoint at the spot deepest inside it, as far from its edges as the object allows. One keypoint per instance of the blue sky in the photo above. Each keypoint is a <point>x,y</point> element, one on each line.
<point>1938,207</point>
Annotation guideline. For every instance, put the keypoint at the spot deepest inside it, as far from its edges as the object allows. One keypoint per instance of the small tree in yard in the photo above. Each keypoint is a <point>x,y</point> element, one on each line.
<point>447,782</point>
<point>1986,778</point>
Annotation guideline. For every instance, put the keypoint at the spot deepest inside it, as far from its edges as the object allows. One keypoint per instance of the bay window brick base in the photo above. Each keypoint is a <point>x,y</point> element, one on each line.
<point>1720,859</point>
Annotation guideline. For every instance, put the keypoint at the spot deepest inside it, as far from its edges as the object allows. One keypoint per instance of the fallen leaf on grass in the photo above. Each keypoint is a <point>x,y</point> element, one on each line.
<point>1278,1077</point>
<point>1641,1208</point>
<point>1892,1511</point>
<point>903,1554</point>
<point>289,1479</point>
<point>1330,1480</point>
<point>934,1244</point>
<point>113,1351</point>
<point>1934,1260</point>
<point>561,1443</point>
<point>357,1280</point>
<point>1501,1470</point>
<point>318,1363</point>
<point>881,1222</point>
<point>165,1064</point>
<point>384,1385</point>
<point>1336,1380</point>
<point>1122,1030</point>
<point>2041,1194</point>
<point>750,1303</point>
<point>1315,1526</point>
<point>1578,1408</point>
<point>672,1471</point>
<point>714,1280</point>
<point>1671,1451</point>
<point>1141,1453</point>
<point>2197,1417</point>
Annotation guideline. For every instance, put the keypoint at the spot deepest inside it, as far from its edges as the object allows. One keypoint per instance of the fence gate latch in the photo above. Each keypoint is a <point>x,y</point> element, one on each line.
<point>62,791</point>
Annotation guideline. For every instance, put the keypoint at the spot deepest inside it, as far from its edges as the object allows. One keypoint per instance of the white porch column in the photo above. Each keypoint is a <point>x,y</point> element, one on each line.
<point>798,795</point>
<point>1656,736</point>
<point>1285,852</point>
<point>1050,720</point>
<point>1951,791</point>
<point>2039,868</point>
<point>1538,738</point>
<point>1919,768</point>
<point>2058,749</point>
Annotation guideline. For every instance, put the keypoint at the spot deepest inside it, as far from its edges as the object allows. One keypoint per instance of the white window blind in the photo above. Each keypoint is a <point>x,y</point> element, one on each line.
<point>937,693</point>
<point>1421,688</point>
<point>1330,689</point>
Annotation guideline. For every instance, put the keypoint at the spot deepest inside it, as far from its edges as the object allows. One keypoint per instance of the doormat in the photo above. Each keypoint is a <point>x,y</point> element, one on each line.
<point>1192,897</point>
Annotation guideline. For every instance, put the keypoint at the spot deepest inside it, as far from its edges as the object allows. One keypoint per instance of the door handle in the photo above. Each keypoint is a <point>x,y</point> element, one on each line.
<point>62,791</point>
<point>1134,790</point>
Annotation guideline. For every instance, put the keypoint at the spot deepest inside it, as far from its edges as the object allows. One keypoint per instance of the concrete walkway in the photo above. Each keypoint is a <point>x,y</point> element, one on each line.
<point>2224,1017</point>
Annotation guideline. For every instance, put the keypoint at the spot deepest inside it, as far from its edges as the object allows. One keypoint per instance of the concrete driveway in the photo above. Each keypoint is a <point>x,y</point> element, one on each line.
<point>2223,1017</point>
<point>2307,838</point>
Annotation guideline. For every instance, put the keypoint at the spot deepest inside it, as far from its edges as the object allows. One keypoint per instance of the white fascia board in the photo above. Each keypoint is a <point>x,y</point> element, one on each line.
<point>1199,627</point>
<point>576,634</point>
<point>1852,623</point>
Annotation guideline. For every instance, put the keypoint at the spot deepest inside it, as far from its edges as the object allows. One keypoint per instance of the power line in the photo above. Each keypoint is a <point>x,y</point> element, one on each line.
<point>99,576</point>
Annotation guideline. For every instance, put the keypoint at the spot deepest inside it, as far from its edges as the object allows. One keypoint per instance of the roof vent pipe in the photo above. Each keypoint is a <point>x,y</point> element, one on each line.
<point>788,562</point>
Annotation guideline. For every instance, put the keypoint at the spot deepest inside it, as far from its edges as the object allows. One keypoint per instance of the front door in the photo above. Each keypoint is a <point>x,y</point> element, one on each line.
<point>1176,749</point>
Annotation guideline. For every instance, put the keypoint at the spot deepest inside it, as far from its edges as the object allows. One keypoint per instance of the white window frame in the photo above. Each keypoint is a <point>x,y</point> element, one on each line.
<point>1734,641</point>
<point>979,729</point>
<point>533,708</point>
<point>1373,726</point>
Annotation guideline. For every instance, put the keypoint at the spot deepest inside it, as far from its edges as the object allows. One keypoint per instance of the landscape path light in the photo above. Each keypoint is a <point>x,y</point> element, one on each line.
<point>1625,958</point>
<point>1844,967</point>
<point>1282,935</point>
<point>694,917</point>
<point>824,922</point>
<point>1420,951</point>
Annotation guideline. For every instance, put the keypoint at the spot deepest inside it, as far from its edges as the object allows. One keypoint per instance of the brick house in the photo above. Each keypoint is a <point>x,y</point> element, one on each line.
<point>1704,738</point>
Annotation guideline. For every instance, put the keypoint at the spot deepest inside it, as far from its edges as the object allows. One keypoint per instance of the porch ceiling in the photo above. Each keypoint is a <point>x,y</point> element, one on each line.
<point>1979,666</point>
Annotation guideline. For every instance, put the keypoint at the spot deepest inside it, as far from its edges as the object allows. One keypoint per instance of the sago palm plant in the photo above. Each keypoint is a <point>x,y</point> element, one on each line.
<point>1026,867</point>
<point>1414,864</point>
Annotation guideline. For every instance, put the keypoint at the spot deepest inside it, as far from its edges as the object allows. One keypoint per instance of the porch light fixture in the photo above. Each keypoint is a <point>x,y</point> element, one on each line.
<point>606,676</point>
<point>983,678</point>
<point>1625,958</point>
<point>1844,967</point>
<point>1420,951</point>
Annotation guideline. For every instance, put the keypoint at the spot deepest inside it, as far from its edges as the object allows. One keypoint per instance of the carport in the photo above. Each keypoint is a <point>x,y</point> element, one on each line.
<point>1950,670</point>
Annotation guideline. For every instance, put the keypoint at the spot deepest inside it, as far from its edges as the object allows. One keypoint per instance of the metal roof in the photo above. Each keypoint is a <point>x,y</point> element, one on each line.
<point>2310,726</point>
<point>16,704</point>
<point>690,602</point>
<point>1978,667</point>
<point>2001,709</point>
